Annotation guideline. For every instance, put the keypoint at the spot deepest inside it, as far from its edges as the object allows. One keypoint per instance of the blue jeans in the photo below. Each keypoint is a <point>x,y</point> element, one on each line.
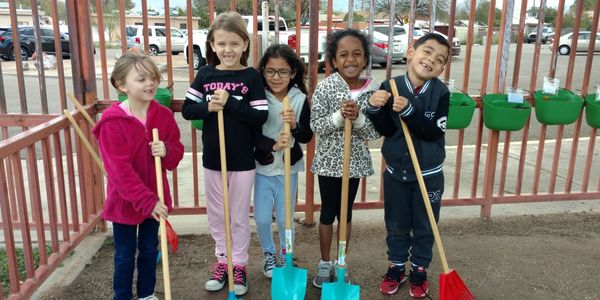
<point>409,233</point>
<point>269,192</point>
<point>127,238</point>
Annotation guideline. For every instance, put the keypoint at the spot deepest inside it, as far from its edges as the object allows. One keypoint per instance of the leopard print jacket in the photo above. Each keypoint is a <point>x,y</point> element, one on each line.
<point>326,101</point>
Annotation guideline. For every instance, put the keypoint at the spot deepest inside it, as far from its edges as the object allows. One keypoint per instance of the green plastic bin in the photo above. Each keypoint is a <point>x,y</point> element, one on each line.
<point>560,109</point>
<point>499,114</point>
<point>198,124</point>
<point>592,111</point>
<point>163,96</point>
<point>461,111</point>
<point>122,97</point>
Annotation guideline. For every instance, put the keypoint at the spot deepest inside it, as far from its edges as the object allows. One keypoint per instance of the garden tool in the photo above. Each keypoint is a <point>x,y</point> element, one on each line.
<point>163,226</point>
<point>340,289</point>
<point>289,282</point>
<point>451,285</point>
<point>230,283</point>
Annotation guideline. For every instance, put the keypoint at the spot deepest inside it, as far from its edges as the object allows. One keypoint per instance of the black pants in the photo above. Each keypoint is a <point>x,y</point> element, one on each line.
<point>406,221</point>
<point>331,195</point>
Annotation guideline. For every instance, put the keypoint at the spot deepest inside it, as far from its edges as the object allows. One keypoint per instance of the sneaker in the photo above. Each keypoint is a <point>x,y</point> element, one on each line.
<point>240,284</point>
<point>218,279</point>
<point>392,280</point>
<point>418,283</point>
<point>323,274</point>
<point>151,297</point>
<point>269,263</point>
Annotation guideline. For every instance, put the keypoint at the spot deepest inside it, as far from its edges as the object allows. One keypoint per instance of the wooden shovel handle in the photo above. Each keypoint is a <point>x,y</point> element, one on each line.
<point>287,172</point>
<point>81,109</point>
<point>345,178</point>
<point>85,141</point>
<point>415,162</point>
<point>222,154</point>
<point>163,228</point>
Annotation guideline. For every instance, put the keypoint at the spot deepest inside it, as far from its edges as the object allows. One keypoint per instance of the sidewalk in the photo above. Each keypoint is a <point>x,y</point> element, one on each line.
<point>198,224</point>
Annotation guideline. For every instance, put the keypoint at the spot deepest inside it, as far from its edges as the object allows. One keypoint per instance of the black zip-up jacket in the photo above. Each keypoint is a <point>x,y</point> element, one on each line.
<point>425,116</point>
<point>243,115</point>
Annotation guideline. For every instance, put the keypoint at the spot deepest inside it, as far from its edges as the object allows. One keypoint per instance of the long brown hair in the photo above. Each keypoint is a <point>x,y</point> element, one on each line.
<point>229,21</point>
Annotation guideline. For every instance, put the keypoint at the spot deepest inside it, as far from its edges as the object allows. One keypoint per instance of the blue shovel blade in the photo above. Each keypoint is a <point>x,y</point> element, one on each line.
<point>340,290</point>
<point>289,282</point>
<point>231,296</point>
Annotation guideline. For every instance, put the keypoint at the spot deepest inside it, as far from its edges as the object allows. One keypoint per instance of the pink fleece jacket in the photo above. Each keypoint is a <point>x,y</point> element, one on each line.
<point>124,146</point>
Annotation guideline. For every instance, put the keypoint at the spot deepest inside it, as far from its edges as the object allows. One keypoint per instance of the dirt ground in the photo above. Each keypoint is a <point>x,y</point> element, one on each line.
<point>524,257</point>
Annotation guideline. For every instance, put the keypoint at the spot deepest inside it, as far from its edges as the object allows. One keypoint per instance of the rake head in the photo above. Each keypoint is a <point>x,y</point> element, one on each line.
<point>453,288</point>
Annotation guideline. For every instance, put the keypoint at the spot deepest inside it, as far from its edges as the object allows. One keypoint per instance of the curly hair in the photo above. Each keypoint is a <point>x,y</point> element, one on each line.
<point>287,53</point>
<point>334,38</point>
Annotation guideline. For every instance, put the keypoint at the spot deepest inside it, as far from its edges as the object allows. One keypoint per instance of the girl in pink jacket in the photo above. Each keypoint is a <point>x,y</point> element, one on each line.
<point>124,136</point>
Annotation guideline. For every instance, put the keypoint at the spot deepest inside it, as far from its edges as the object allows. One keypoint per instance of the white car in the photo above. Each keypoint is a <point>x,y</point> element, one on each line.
<point>583,42</point>
<point>455,50</point>
<point>157,39</point>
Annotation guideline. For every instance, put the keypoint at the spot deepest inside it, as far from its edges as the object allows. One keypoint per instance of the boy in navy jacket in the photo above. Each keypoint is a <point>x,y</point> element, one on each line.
<point>423,106</point>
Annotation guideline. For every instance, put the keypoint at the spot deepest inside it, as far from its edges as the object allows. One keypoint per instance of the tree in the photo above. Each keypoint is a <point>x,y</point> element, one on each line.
<point>421,8</point>
<point>44,6</point>
<point>586,20</point>
<point>287,10</point>
<point>110,16</point>
<point>355,17</point>
<point>549,14</point>
<point>587,5</point>
<point>482,12</point>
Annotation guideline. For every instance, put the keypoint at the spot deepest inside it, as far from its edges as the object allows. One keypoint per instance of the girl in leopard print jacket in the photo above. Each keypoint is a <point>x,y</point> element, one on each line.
<point>344,94</point>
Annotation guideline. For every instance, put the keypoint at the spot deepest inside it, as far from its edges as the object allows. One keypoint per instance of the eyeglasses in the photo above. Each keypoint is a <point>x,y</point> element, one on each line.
<point>282,73</point>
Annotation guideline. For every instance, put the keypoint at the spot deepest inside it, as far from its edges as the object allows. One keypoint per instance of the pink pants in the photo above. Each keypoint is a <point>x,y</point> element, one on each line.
<point>240,189</point>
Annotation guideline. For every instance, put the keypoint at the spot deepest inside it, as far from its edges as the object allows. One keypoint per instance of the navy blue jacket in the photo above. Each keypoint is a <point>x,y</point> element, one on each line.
<point>425,116</point>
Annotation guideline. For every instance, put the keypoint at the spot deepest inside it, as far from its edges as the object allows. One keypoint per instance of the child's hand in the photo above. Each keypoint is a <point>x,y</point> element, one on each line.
<point>160,211</point>
<point>214,107</point>
<point>289,116</point>
<point>349,110</point>
<point>220,97</point>
<point>158,148</point>
<point>283,142</point>
<point>379,98</point>
<point>399,103</point>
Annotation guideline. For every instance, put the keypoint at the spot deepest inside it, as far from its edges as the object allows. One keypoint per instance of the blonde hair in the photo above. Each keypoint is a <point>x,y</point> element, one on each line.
<point>229,21</point>
<point>133,59</point>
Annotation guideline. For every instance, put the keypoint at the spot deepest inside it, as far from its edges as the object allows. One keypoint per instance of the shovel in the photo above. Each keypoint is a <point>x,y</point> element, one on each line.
<point>230,283</point>
<point>163,226</point>
<point>451,286</point>
<point>289,282</point>
<point>340,289</point>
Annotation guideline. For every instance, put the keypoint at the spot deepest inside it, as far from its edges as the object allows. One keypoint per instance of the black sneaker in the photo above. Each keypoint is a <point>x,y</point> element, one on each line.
<point>240,283</point>
<point>419,286</point>
<point>269,263</point>
<point>219,276</point>
<point>392,280</point>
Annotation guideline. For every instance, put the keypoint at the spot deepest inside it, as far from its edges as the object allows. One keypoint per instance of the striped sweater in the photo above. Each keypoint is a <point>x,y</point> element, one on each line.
<point>245,112</point>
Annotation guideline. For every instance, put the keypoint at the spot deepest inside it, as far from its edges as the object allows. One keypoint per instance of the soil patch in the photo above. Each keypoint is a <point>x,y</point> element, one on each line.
<point>524,257</point>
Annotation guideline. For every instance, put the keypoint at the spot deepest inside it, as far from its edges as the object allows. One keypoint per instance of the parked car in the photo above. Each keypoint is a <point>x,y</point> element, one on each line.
<point>157,39</point>
<point>547,35</point>
<point>583,42</point>
<point>379,50</point>
<point>27,41</point>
